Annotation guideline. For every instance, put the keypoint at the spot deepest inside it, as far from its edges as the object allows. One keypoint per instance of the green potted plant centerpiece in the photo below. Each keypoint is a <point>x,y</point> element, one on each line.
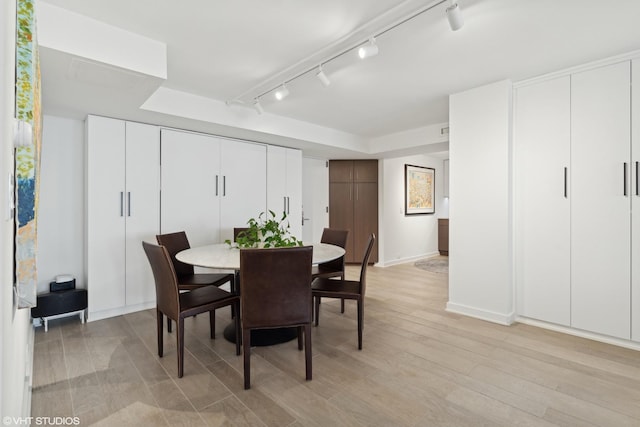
<point>266,232</point>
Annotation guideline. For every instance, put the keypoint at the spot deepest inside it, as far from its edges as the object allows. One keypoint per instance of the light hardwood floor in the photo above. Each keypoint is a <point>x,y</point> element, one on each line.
<point>419,366</point>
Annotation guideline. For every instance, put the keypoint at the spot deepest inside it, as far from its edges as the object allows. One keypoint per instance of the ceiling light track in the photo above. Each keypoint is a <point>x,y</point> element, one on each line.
<point>366,48</point>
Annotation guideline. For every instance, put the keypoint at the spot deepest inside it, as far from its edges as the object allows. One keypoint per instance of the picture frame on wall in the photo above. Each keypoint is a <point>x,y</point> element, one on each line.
<point>419,190</point>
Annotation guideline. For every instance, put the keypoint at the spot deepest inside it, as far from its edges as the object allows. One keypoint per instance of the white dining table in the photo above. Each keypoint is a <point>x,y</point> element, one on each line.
<point>224,257</point>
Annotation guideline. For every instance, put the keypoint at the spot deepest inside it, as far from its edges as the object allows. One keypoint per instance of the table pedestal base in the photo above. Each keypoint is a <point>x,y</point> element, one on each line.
<point>263,337</point>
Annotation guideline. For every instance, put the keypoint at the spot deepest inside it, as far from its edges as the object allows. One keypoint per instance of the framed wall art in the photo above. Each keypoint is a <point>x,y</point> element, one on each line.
<point>419,190</point>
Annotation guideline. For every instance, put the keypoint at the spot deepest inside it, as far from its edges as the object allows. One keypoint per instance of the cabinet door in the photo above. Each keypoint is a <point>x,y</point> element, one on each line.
<point>294,191</point>
<point>142,208</point>
<point>635,198</point>
<point>365,171</point>
<point>105,200</point>
<point>244,187</point>
<point>542,147</point>
<point>600,219</point>
<point>191,186</point>
<point>276,179</point>
<point>365,211</point>
<point>340,170</point>
<point>341,213</point>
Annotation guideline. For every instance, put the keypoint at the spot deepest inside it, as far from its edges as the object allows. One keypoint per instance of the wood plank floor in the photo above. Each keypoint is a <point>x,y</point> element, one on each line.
<point>420,366</point>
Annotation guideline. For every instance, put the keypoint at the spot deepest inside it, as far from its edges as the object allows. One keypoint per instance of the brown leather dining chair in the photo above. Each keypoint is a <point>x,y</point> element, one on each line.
<point>333,268</point>
<point>276,293</point>
<point>345,289</point>
<point>178,305</point>
<point>188,280</point>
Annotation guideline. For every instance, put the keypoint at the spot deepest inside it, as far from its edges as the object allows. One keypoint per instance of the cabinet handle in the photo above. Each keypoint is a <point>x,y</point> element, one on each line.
<point>284,201</point>
<point>624,177</point>
<point>128,203</point>
<point>565,183</point>
<point>357,192</point>
<point>122,203</point>
<point>216,185</point>
<point>224,185</point>
<point>288,205</point>
<point>637,180</point>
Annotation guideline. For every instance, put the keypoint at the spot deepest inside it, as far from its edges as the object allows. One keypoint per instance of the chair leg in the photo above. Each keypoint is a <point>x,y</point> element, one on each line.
<point>360,322</point>
<point>212,323</point>
<point>307,350</point>
<point>246,349</point>
<point>160,322</point>
<point>180,339</point>
<point>236,305</point>
<point>168,325</point>
<point>300,332</point>
<point>341,305</point>
<point>317,310</point>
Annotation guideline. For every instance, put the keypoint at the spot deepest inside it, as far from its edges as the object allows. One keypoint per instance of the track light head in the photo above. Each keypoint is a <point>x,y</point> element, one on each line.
<point>282,92</point>
<point>454,15</point>
<point>257,106</point>
<point>323,77</point>
<point>369,49</point>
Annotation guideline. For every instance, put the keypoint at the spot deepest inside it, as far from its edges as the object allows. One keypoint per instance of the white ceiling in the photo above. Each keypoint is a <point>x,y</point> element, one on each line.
<point>222,49</point>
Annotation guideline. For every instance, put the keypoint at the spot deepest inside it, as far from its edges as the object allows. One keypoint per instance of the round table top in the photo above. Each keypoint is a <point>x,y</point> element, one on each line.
<point>222,256</point>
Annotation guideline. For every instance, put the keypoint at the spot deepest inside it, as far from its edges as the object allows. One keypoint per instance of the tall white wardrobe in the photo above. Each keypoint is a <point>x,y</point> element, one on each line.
<point>142,180</point>
<point>577,199</point>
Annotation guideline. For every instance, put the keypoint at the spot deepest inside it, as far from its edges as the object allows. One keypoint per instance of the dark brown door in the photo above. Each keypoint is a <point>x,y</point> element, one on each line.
<point>341,213</point>
<point>341,171</point>
<point>365,218</point>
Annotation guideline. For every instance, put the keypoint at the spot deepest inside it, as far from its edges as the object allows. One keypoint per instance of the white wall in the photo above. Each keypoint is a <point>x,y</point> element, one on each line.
<point>480,246</point>
<point>61,215</point>
<point>16,342</point>
<point>406,238</point>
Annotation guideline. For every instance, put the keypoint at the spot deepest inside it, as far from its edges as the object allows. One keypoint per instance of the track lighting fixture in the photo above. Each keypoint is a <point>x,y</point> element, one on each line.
<point>454,15</point>
<point>369,49</point>
<point>282,92</point>
<point>257,106</point>
<point>365,49</point>
<point>323,77</point>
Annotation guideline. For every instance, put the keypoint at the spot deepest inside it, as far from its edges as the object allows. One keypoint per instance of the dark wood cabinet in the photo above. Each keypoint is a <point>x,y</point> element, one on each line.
<point>443,236</point>
<point>353,204</point>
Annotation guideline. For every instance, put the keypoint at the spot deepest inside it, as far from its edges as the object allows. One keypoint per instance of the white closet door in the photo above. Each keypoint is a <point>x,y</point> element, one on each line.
<point>142,208</point>
<point>276,179</point>
<point>600,218</point>
<point>542,135</point>
<point>244,192</point>
<point>294,191</point>
<point>105,200</point>
<point>635,207</point>
<point>191,186</point>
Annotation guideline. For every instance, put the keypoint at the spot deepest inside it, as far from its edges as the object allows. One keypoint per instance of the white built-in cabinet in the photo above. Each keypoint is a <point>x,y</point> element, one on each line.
<point>122,210</point>
<point>284,185</point>
<point>635,201</point>
<point>210,185</point>
<point>600,200</point>
<point>542,134</point>
<point>577,200</point>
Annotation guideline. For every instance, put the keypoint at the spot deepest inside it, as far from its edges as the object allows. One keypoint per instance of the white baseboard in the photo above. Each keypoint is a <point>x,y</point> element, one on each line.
<point>406,260</point>
<point>580,333</point>
<point>105,314</point>
<point>490,316</point>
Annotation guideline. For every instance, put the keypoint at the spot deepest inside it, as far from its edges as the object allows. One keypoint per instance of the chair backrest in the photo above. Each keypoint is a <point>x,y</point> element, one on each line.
<point>275,286</point>
<point>338,238</point>
<point>167,299</point>
<point>176,242</point>
<point>365,262</point>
